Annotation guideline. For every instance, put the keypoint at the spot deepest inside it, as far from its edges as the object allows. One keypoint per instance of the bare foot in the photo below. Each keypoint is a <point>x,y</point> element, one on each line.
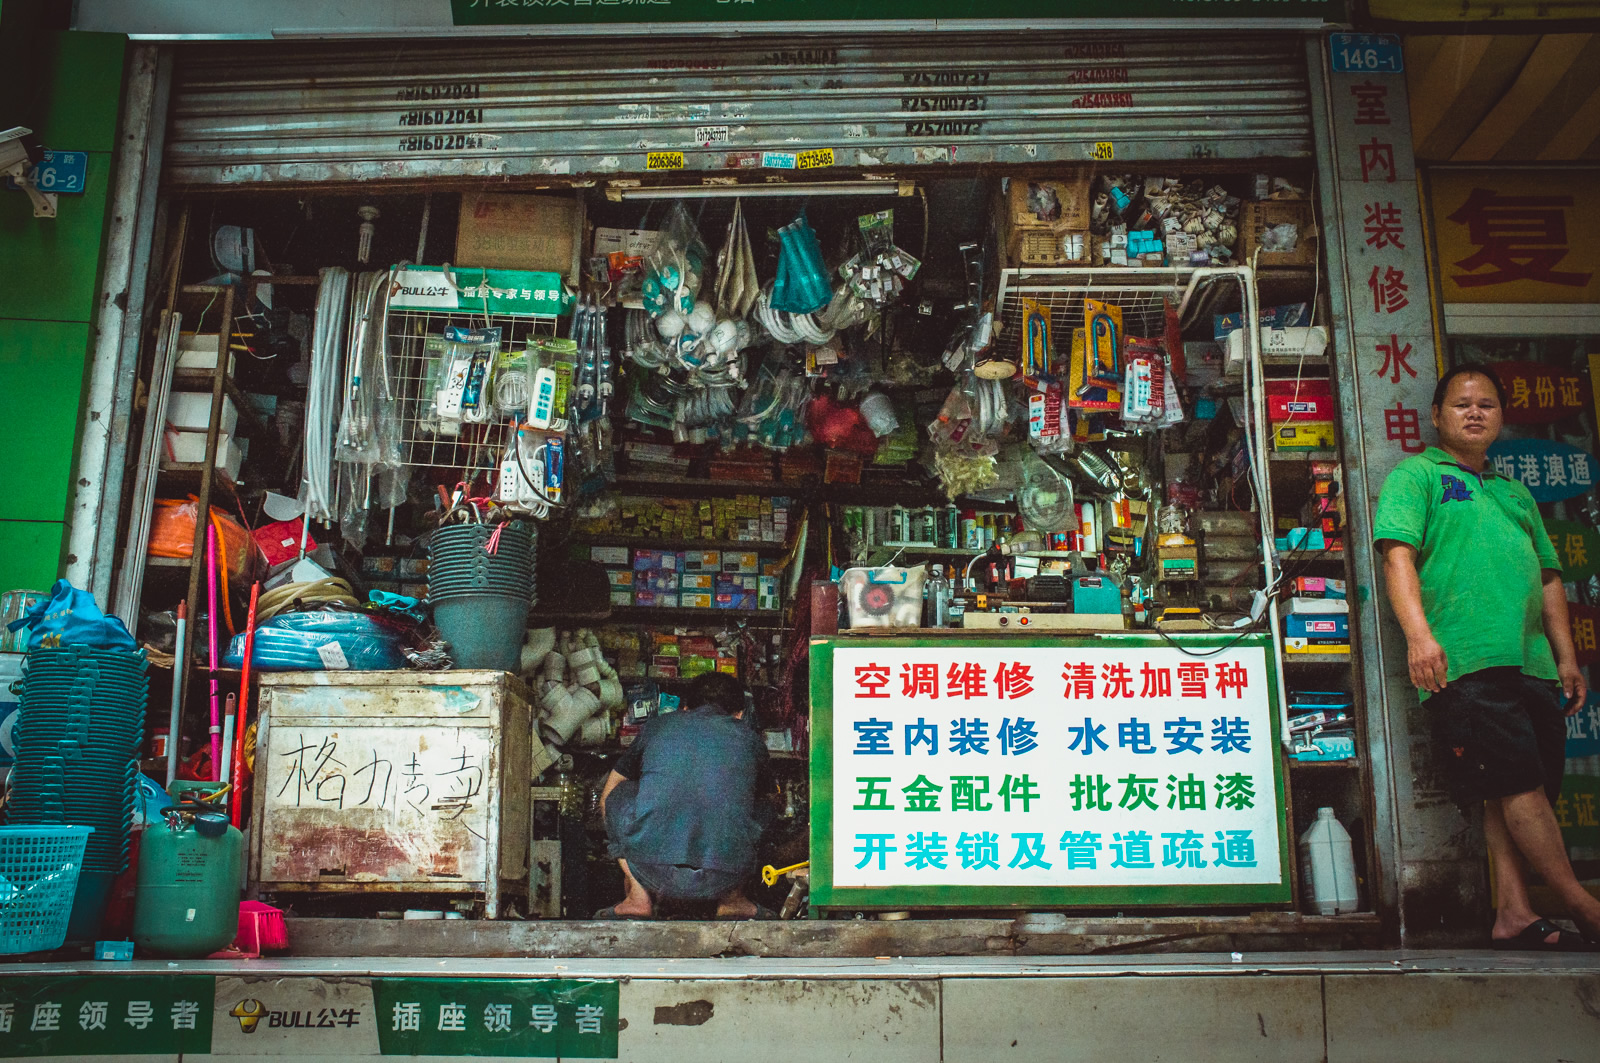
<point>747,910</point>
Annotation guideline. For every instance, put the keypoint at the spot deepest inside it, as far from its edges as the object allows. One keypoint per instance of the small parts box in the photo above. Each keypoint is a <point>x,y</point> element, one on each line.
<point>1305,435</point>
<point>1307,399</point>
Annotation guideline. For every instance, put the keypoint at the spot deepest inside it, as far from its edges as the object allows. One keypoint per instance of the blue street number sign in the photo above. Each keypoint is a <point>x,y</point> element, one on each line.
<point>63,172</point>
<point>1366,53</point>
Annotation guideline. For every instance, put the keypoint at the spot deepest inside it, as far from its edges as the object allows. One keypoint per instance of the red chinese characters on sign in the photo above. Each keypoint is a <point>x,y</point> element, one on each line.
<point>1372,103</point>
<point>1402,424</point>
<point>871,679</point>
<point>1517,238</point>
<point>1192,679</point>
<point>966,681</point>
<point>1384,226</point>
<point>1080,681</point>
<point>1395,359</point>
<point>1541,394</point>
<point>1389,290</point>
<point>919,680</point>
<point>1117,680</point>
<point>1376,158</point>
<point>1013,681</point>
<point>1232,678</point>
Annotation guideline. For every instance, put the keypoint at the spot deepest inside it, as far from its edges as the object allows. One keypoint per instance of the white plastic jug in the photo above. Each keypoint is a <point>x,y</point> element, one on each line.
<point>1328,866</point>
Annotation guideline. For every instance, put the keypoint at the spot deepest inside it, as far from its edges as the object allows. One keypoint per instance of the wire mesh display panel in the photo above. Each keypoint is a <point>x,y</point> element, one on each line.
<point>1139,292</point>
<point>416,349</point>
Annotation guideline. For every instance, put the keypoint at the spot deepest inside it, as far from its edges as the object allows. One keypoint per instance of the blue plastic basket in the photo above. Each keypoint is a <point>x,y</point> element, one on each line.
<point>38,880</point>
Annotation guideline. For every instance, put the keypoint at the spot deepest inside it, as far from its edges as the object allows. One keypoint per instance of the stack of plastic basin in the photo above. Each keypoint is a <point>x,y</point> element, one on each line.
<point>481,583</point>
<point>77,736</point>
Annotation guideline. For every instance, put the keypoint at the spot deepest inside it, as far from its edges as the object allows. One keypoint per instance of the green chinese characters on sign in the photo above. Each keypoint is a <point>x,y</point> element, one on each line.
<point>1578,547</point>
<point>517,1017</point>
<point>105,1015</point>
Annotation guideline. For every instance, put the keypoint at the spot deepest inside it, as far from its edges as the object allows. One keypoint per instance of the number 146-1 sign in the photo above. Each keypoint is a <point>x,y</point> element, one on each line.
<point>999,772</point>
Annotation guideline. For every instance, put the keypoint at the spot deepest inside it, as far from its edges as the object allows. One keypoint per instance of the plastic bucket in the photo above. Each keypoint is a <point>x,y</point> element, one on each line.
<point>40,865</point>
<point>484,631</point>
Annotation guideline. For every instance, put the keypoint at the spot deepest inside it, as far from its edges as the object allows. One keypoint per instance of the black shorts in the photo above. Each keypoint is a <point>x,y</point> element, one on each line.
<point>1499,733</point>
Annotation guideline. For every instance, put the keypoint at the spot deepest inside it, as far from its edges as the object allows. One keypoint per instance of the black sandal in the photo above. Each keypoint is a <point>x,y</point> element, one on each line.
<point>1532,939</point>
<point>612,913</point>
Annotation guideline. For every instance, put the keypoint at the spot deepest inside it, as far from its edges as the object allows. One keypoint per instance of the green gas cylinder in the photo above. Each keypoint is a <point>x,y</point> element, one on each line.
<point>190,869</point>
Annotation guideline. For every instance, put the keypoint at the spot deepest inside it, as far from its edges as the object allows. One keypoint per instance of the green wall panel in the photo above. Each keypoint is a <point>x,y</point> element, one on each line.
<point>30,554</point>
<point>47,303</point>
<point>42,366</point>
<point>57,260</point>
<point>80,107</point>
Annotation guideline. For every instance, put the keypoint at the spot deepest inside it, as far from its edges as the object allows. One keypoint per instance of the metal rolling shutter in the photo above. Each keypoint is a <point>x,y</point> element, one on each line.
<point>370,111</point>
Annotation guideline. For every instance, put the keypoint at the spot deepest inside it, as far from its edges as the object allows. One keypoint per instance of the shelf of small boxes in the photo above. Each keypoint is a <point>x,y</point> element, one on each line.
<point>397,575</point>
<point>1317,613</point>
<point>742,581</point>
<point>755,520</point>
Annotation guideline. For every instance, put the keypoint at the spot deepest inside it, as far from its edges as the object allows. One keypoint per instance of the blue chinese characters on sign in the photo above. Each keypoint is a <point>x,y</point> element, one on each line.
<point>1552,471</point>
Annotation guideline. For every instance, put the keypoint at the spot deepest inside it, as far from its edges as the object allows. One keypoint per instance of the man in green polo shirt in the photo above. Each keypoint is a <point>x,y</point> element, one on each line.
<point>1477,589</point>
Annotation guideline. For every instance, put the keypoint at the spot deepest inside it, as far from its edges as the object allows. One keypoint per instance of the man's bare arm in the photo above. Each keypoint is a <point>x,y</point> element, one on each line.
<point>1424,656</point>
<point>1558,629</point>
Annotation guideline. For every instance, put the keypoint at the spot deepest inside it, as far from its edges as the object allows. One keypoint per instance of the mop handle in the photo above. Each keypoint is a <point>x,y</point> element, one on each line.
<point>178,661</point>
<point>211,625</point>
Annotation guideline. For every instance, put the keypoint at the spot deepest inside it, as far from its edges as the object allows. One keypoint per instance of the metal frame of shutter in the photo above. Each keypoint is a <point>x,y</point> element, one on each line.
<point>249,113</point>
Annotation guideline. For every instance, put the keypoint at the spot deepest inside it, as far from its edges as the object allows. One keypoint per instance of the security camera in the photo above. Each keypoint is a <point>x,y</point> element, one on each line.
<point>19,153</point>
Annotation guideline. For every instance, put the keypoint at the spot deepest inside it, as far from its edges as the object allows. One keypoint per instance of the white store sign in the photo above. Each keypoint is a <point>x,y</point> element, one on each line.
<point>996,765</point>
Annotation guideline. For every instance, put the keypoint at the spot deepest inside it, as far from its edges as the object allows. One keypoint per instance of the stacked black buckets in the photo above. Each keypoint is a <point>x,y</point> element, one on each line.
<point>77,737</point>
<point>481,583</point>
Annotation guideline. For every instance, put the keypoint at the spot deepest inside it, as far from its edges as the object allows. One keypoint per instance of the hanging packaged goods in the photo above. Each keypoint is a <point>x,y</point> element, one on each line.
<point>505,109</point>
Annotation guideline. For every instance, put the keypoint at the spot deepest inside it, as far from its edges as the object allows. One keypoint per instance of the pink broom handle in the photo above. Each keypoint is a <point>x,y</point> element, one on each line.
<point>211,625</point>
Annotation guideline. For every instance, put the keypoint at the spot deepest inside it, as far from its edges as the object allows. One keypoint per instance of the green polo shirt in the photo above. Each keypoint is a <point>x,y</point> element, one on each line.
<point>1481,546</point>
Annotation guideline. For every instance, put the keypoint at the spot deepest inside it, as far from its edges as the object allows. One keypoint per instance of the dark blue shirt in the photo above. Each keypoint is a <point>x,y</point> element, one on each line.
<point>697,773</point>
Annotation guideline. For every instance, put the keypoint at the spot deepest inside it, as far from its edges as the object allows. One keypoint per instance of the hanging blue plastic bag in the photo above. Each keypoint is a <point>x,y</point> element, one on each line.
<point>70,617</point>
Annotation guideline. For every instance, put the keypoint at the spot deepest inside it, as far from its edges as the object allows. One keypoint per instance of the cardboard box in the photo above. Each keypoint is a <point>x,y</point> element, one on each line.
<point>1306,399</point>
<point>744,564</point>
<point>1045,221</point>
<point>620,577</point>
<point>1048,203</point>
<point>700,561</point>
<point>655,561</point>
<point>191,411</point>
<point>622,597</point>
<point>697,581</point>
<point>695,600</point>
<point>502,230</point>
<point>189,448</point>
<point>199,351</point>
<point>1309,645</point>
<point>1256,218</point>
<point>1305,435</point>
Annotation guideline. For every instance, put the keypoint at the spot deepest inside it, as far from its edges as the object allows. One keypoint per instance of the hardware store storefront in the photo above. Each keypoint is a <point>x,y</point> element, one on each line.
<point>519,169</point>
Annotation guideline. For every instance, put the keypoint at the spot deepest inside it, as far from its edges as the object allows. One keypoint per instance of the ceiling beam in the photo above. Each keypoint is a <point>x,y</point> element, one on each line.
<point>1540,75</point>
<point>1443,81</point>
<point>1579,131</point>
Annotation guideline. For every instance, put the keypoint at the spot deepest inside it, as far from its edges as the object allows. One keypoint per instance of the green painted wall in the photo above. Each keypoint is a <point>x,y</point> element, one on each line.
<point>50,268</point>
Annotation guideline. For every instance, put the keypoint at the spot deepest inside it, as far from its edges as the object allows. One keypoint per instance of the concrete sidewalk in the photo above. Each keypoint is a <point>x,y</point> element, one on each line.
<point>1361,1007</point>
